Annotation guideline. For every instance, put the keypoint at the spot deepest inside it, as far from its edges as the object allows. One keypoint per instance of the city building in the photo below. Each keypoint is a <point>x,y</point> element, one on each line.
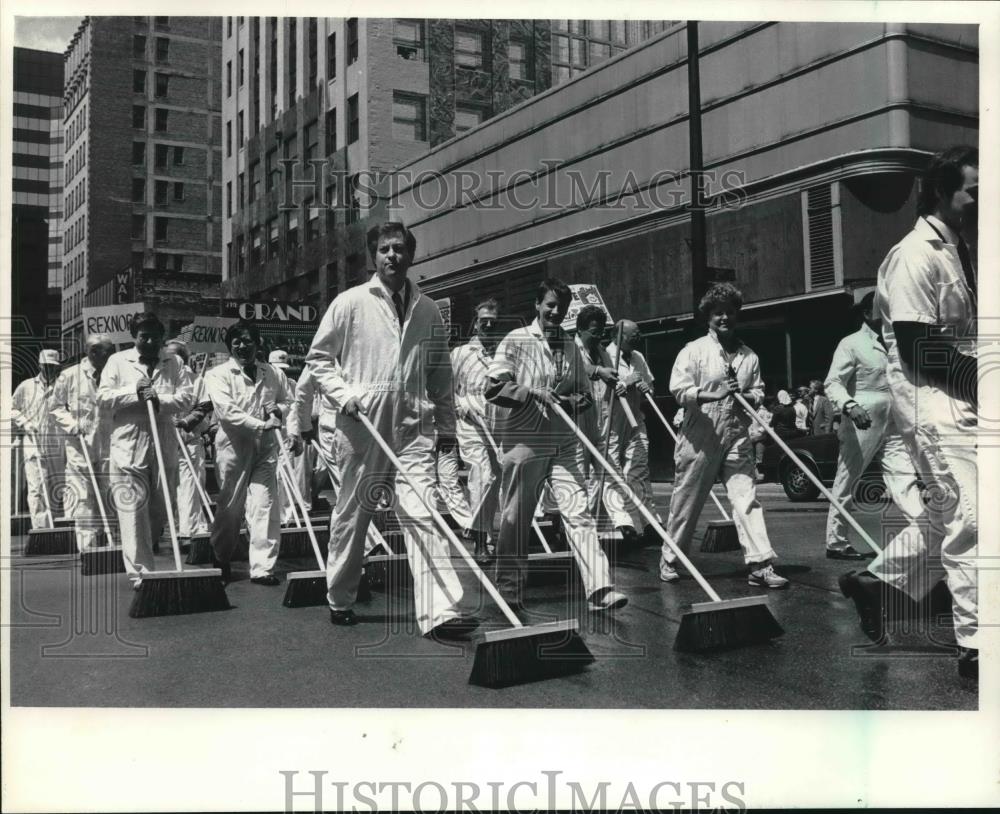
<point>36,214</point>
<point>143,181</point>
<point>316,109</point>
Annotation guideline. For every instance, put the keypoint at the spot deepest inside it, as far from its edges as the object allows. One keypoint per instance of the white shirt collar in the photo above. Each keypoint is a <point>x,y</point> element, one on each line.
<point>944,229</point>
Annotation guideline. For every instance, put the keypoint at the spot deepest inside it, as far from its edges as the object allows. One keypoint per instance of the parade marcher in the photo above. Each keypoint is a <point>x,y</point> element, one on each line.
<point>715,439</point>
<point>144,373</point>
<point>858,388</point>
<point>381,349</point>
<point>312,419</point>
<point>801,406</point>
<point>629,446</point>
<point>470,365</point>
<point>75,409</point>
<point>42,440</point>
<point>288,507</point>
<point>533,368</point>
<point>926,298</point>
<point>820,410</point>
<point>250,399</point>
<point>193,425</point>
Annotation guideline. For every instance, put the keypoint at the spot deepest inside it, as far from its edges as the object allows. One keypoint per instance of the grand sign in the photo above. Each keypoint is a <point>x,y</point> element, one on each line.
<point>294,312</point>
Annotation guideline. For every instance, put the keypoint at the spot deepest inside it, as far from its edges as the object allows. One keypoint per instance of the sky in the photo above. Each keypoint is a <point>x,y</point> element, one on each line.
<point>45,33</point>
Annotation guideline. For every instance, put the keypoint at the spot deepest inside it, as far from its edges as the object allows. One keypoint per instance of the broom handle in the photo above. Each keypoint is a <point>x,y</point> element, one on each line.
<point>17,479</point>
<point>205,504</point>
<point>42,475</point>
<point>669,429</point>
<point>646,513</point>
<point>442,525</point>
<point>164,486</point>
<point>97,491</point>
<point>285,465</point>
<point>496,450</point>
<point>808,473</point>
<point>611,413</point>
<point>283,477</point>
<point>373,533</point>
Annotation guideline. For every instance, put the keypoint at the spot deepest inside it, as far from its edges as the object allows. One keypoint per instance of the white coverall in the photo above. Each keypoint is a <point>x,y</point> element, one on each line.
<point>539,448</point>
<point>629,447</point>
<point>289,507</point>
<point>714,441</point>
<point>857,373</point>
<point>135,476</point>
<point>42,447</point>
<point>921,280</point>
<point>470,364</point>
<point>401,376</point>
<point>191,519</point>
<point>76,411</point>
<point>593,422</point>
<point>246,460</point>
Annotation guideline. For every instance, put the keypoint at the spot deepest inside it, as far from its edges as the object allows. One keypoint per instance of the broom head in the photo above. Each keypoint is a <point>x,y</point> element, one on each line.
<point>559,567</point>
<point>305,589</point>
<point>200,550</point>
<point>173,593</point>
<point>720,536</point>
<point>50,541</point>
<point>295,543</point>
<point>389,573</point>
<point>524,654</point>
<point>726,624</point>
<point>64,523</point>
<point>103,559</point>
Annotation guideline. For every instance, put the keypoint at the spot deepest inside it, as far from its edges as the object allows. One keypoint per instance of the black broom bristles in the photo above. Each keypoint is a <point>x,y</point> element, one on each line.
<point>305,589</point>
<point>389,573</point>
<point>726,624</point>
<point>720,536</point>
<point>295,543</point>
<point>43,542</point>
<point>102,559</point>
<point>200,550</point>
<point>173,593</point>
<point>557,567</point>
<point>521,655</point>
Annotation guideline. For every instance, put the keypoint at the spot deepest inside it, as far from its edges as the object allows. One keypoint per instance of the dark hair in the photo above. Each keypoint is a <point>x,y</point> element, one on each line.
<point>867,303</point>
<point>591,313</point>
<point>556,285</point>
<point>943,176</point>
<point>147,319</point>
<point>391,227</point>
<point>492,303</point>
<point>820,388</point>
<point>720,294</point>
<point>238,328</point>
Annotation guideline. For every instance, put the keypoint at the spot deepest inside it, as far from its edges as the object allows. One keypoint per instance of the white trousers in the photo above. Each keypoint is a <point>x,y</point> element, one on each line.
<point>80,502</point>
<point>629,452</point>
<point>191,518</point>
<point>50,465</point>
<point>137,497</point>
<point>484,475</point>
<point>451,492</point>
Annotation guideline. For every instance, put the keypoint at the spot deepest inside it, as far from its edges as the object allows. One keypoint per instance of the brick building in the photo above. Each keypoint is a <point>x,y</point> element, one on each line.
<point>143,181</point>
<point>36,250</point>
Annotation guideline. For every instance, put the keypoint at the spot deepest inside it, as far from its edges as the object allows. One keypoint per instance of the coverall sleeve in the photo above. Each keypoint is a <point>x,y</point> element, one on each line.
<point>840,376</point>
<point>502,389</point>
<point>682,382</point>
<point>301,413</point>
<point>18,410</point>
<point>324,355</point>
<point>462,404</point>
<point>439,378</point>
<point>114,394</point>
<point>227,411</point>
<point>62,413</point>
<point>755,393</point>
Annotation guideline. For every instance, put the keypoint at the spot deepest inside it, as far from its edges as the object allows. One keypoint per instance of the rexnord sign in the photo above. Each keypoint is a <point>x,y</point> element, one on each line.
<point>114,320</point>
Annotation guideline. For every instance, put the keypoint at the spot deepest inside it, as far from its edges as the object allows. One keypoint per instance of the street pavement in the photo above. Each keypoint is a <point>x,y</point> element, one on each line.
<point>73,644</point>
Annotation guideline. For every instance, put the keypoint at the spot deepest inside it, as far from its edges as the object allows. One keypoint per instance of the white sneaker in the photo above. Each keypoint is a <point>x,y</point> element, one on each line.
<point>607,600</point>
<point>767,577</point>
<point>667,572</point>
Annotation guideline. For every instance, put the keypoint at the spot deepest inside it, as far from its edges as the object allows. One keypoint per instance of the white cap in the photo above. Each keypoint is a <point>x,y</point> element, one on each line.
<point>279,358</point>
<point>48,357</point>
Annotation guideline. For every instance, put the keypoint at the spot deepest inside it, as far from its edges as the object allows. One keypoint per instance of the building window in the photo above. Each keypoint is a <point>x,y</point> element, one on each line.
<point>313,51</point>
<point>254,180</point>
<point>292,60</point>
<point>256,247</point>
<point>138,117</point>
<point>273,242</point>
<point>239,68</point>
<point>353,200</point>
<point>468,47</point>
<point>353,120</point>
<point>139,46</point>
<point>178,190</point>
<point>162,49</point>
<point>331,207</point>
<point>138,227</point>
<point>178,262</point>
<point>229,199</point>
<point>138,190</point>
<point>160,194</point>
<point>160,123</point>
<point>161,262</point>
<point>229,139</point>
<point>160,225</point>
<point>599,51</point>
<point>138,152</point>
<point>352,40</point>
<point>312,220</point>
<point>229,79</point>
<point>178,156</point>
<point>241,185</point>
<point>519,57</point>
<point>408,37</point>
<point>162,85</point>
<point>468,116</point>
<point>229,26</point>
<point>331,57</point>
<point>271,169</point>
<point>310,138</point>
<point>292,230</point>
<point>331,132</point>
<point>409,117</point>
<point>139,81</point>
<point>239,130</point>
<point>239,254</point>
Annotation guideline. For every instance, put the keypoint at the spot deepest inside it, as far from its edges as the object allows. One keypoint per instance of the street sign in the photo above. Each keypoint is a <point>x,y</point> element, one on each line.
<point>583,294</point>
<point>114,320</point>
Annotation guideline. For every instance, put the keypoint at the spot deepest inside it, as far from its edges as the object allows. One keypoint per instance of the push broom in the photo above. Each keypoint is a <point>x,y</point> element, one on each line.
<point>59,537</point>
<point>389,570</point>
<point>721,534</point>
<point>520,653</point>
<point>171,593</point>
<point>809,474</point>
<point>304,589</point>
<point>295,542</point>
<point>200,550</point>
<point>720,623</point>
<point>106,558</point>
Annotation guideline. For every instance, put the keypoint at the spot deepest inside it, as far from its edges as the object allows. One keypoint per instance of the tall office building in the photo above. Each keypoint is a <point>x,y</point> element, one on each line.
<point>143,185</point>
<point>359,97</point>
<point>37,198</point>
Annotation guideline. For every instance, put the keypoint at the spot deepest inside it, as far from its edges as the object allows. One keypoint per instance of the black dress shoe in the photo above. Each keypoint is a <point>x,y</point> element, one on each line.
<point>458,628</point>
<point>968,663</point>
<point>866,590</point>
<point>345,618</point>
<point>269,579</point>
<point>849,553</point>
